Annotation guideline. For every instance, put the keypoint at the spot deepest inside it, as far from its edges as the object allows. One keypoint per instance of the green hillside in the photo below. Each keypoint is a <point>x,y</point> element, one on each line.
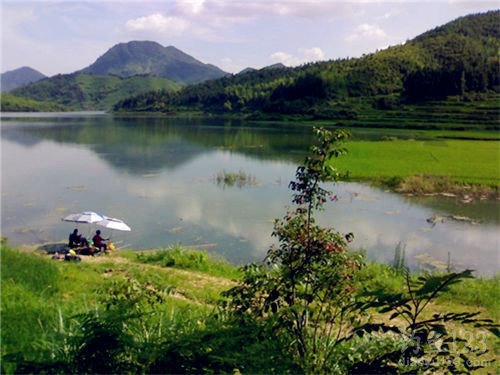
<point>11,103</point>
<point>85,91</point>
<point>452,64</point>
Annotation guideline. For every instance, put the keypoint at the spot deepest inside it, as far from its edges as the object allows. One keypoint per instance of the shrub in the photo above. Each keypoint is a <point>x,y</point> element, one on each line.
<point>304,287</point>
<point>428,345</point>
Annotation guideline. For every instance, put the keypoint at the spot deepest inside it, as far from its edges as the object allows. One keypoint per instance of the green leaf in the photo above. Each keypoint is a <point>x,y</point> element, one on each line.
<point>495,331</point>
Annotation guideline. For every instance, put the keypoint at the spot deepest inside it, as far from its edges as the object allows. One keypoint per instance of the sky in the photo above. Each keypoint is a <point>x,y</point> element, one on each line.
<point>64,36</point>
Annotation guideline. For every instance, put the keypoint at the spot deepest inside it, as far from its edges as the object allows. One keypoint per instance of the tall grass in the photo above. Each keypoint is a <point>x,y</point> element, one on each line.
<point>28,285</point>
<point>152,315</point>
<point>134,324</point>
<point>47,305</point>
<point>35,274</point>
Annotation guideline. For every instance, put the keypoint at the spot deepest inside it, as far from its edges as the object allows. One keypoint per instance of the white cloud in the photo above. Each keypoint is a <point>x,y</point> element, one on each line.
<point>256,8</point>
<point>366,32</point>
<point>207,19</point>
<point>191,6</point>
<point>158,23</point>
<point>224,13</point>
<point>227,64</point>
<point>313,54</point>
<point>11,17</point>
<point>284,58</point>
<point>391,14</point>
<point>305,55</point>
<point>162,25</point>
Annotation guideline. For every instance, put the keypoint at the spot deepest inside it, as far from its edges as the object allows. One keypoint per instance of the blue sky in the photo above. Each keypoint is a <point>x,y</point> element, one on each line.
<point>63,36</point>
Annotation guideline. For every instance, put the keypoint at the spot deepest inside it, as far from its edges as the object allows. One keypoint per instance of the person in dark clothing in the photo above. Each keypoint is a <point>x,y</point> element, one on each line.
<point>76,240</point>
<point>99,241</point>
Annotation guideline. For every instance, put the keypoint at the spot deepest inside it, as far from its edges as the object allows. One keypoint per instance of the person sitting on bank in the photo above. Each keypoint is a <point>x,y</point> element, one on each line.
<point>76,240</point>
<point>99,241</point>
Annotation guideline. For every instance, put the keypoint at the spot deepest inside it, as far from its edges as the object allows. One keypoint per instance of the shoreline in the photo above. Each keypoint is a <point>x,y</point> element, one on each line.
<point>434,186</point>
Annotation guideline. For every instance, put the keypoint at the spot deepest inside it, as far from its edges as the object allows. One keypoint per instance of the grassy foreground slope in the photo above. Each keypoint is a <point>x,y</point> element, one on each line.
<point>87,91</point>
<point>47,306</point>
<point>11,103</point>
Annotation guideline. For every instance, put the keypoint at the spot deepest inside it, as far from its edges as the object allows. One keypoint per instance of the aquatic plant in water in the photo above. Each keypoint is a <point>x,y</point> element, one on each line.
<point>239,179</point>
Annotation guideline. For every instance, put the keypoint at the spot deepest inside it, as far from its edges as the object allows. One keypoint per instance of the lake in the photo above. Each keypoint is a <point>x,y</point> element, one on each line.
<point>159,176</point>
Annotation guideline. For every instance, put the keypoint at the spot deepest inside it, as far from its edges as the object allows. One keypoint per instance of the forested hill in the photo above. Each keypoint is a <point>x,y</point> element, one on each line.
<point>89,91</point>
<point>458,59</point>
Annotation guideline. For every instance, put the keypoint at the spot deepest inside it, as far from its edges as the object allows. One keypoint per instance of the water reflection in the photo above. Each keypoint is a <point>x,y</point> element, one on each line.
<point>157,175</point>
<point>148,145</point>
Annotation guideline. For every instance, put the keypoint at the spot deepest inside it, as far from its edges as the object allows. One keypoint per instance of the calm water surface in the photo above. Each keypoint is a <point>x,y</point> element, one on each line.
<point>158,175</point>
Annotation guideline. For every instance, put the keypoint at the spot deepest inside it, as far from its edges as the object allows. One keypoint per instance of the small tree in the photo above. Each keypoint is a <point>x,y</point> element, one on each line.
<point>305,285</point>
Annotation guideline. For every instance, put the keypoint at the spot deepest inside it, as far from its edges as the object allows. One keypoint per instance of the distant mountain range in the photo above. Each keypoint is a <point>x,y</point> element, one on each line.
<point>459,59</point>
<point>125,70</point>
<point>18,77</point>
<point>150,58</point>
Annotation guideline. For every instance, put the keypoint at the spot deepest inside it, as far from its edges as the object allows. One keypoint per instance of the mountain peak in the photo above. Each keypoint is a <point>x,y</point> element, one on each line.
<point>151,58</point>
<point>18,77</point>
<point>274,66</point>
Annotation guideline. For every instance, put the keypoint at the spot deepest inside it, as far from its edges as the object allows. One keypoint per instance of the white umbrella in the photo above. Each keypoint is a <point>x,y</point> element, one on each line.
<point>85,217</point>
<point>113,223</point>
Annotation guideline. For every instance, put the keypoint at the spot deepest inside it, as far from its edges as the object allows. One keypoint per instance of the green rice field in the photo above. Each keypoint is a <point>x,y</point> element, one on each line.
<point>469,161</point>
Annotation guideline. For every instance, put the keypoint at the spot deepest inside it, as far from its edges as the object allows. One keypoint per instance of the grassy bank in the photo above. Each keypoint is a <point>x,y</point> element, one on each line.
<point>164,304</point>
<point>42,298</point>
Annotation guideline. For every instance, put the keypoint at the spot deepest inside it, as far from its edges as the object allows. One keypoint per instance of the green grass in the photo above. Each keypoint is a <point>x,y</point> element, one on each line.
<point>195,260</point>
<point>42,300</point>
<point>482,293</point>
<point>39,295</point>
<point>468,161</point>
<point>472,295</point>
